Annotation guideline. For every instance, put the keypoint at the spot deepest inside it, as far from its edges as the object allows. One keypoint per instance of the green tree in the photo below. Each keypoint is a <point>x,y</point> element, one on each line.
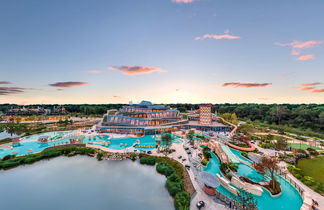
<point>167,139</point>
<point>247,201</point>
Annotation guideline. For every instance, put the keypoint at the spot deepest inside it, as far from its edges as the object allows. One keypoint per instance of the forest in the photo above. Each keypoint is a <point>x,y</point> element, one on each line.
<point>301,116</point>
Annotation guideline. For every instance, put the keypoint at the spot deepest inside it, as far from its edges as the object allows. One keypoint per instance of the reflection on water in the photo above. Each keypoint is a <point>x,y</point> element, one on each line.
<point>82,182</point>
<point>5,134</point>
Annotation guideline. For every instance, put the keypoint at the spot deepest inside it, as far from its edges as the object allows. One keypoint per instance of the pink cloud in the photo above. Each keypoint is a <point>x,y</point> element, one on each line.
<point>311,87</point>
<point>183,1</point>
<point>318,91</point>
<point>300,45</point>
<point>94,71</point>
<point>135,70</point>
<point>306,57</point>
<point>245,84</point>
<point>68,84</point>
<point>311,84</point>
<point>295,52</point>
<point>307,88</point>
<point>214,36</point>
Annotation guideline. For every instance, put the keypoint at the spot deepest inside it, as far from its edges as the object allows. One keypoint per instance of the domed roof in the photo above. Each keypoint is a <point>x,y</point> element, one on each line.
<point>146,103</point>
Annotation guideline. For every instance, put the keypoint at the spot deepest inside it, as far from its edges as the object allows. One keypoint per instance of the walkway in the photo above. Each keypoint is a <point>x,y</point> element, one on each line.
<point>200,194</point>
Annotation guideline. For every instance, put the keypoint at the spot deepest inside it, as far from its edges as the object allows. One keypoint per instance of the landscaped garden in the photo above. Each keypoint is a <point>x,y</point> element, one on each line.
<point>302,146</point>
<point>310,172</point>
<point>313,167</point>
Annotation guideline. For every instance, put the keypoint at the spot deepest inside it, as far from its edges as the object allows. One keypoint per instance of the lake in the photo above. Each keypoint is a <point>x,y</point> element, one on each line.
<point>5,134</point>
<point>83,183</point>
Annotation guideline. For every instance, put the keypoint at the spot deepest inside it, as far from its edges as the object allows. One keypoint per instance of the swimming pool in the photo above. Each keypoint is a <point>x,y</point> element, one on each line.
<point>289,198</point>
<point>30,144</point>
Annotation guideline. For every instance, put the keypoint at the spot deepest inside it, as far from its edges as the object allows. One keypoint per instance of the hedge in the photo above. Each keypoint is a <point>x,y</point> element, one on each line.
<point>11,161</point>
<point>148,160</point>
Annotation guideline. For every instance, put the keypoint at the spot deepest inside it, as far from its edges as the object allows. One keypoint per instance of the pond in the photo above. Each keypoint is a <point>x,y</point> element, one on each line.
<point>81,182</point>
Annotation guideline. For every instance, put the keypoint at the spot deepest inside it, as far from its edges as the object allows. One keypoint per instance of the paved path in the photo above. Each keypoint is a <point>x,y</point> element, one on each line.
<point>200,194</point>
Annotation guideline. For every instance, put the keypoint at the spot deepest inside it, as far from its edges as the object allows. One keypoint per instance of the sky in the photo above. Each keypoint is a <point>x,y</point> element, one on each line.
<point>165,51</point>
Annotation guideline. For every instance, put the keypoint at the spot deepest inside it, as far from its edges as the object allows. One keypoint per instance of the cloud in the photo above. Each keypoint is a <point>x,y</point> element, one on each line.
<point>306,88</point>
<point>318,91</point>
<point>135,70</point>
<point>94,71</point>
<point>295,52</point>
<point>11,90</point>
<point>298,46</point>
<point>68,84</point>
<point>245,84</point>
<point>311,87</point>
<point>183,1</point>
<point>306,57</point>
<point>4,83</point>
<point>311,84</point>
<point>215,36</point>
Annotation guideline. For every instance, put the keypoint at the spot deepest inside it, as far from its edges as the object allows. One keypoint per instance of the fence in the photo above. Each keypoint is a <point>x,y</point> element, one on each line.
<point>291,181</point>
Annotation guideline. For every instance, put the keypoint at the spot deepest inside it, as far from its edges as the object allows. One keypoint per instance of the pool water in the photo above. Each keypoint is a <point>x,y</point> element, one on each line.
<point>31,142</point>
<point>239,155</point>
<point>289,198</point>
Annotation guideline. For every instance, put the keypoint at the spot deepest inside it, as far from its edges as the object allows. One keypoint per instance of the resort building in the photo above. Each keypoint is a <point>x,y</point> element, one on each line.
<point>14,111</point>
<point>205,114</point>
<point>143,118</point>
<point>146,118</point>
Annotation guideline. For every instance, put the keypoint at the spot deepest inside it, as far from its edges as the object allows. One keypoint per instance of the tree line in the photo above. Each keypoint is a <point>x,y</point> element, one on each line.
<point>303,116</point>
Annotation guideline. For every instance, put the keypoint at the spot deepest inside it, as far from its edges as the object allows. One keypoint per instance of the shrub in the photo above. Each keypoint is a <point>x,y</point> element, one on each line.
<point>182,201</point>
<point>245,154</point>
<point>164,169</point>
<point>206,153</point>
<point>204,162</point>
<point>51,153</point>
<point>100,155</point>
<point>133,156</point>
<point>148,160</point>
<point>232,166</point>
<point>308,180</point>
<point>173,187</point>
<point>312,151</point>
<point>174,178</point>
<point>7,157</point>
<point>9,164</point>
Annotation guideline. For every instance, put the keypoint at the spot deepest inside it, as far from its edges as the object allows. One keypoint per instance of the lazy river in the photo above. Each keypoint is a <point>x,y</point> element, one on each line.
<point>289,198</point>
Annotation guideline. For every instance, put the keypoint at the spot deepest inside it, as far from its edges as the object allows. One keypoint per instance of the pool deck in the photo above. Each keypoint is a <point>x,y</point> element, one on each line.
<point>200,194</point>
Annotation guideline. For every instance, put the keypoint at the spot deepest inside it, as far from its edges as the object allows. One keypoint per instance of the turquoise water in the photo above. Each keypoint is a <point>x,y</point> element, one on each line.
<point>289,199</point>
<point>243,170</point>
<point>238,154</point>
<point>31,143</point>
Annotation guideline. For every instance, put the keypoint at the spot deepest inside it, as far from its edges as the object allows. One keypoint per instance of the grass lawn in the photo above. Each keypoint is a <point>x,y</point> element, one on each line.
<point>313,167</point>
<point>302,146</point>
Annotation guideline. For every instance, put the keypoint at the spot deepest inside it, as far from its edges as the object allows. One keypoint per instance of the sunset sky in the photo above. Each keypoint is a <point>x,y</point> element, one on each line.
<point>166,51</point>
